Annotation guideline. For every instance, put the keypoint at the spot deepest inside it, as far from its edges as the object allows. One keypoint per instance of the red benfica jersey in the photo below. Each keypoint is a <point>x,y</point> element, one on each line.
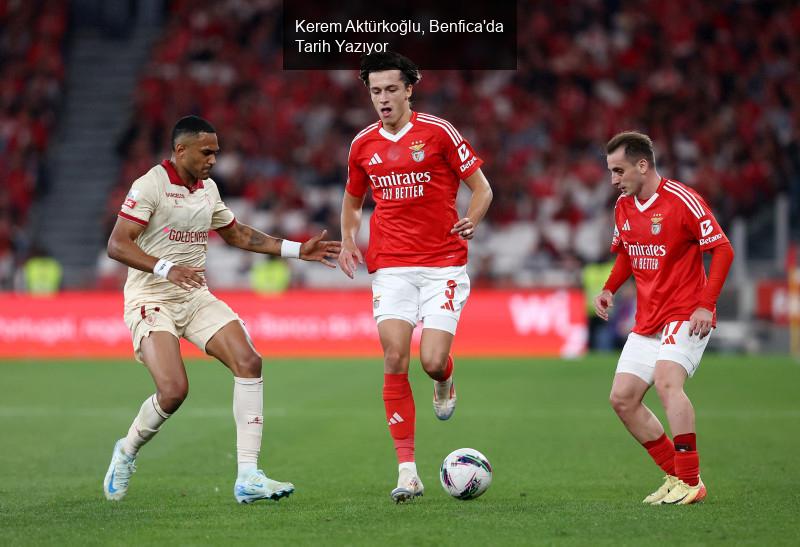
<point>414,175</point>
<point>664,238</point>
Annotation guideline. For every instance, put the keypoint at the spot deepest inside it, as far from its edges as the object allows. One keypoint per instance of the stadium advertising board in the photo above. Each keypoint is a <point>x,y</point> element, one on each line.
<point>300,324</point>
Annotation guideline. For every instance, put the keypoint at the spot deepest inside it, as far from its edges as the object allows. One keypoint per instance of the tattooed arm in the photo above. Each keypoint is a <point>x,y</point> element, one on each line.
<point>248,238</point>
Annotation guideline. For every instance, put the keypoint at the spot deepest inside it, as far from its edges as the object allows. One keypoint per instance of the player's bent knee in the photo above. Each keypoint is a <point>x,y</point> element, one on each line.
<point>395,362</point>
<point>433,363</point>
<point>249,366</point>
<point>621,404</point>
<point>171,395</point>
<point>667,387</point>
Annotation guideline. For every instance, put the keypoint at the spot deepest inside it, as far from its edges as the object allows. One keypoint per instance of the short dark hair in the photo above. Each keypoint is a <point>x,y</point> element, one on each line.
<point>636,145</point>
<point>190,125</point>
<point>389,60</point>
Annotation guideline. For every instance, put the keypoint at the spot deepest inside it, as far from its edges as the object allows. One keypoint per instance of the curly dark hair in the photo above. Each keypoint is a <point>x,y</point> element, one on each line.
<point>389,60</point>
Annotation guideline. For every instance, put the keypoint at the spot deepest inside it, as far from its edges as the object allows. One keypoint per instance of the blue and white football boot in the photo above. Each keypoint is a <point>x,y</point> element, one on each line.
<point>258,486</point>
<point>122,466</point>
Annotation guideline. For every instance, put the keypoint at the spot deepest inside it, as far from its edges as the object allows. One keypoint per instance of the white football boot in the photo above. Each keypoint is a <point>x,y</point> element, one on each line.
<point>444,397</point>
<point>408,484</point>
<point>258,486</point>
<point>655,498</point>
<point>122,466</point>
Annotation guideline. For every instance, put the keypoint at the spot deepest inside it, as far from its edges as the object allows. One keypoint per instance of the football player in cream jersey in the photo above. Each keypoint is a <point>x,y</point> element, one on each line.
<point>161,234</point>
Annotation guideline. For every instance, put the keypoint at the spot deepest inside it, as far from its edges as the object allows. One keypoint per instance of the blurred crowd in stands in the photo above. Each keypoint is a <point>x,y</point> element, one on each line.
<point>32,42</point>
<point>714,83</point>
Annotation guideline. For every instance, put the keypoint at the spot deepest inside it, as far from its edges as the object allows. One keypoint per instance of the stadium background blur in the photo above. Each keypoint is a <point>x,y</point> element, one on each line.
<point>89,91</point>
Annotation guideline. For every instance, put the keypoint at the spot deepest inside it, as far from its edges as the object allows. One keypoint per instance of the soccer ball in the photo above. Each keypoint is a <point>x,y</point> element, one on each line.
<point>465,474</point>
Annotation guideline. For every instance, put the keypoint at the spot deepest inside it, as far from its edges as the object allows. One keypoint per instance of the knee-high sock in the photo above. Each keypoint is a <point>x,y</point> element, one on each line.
<point>687,460</point>
<point>663,453</point>
<point>145,425</point>
<point>400,413</point>
<point>248,413</point>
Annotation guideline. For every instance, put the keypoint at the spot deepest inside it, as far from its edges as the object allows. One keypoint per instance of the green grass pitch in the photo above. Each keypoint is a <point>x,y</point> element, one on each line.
<point>566,471</point>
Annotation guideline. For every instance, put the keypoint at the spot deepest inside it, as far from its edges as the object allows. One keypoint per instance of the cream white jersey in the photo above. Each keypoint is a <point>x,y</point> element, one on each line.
<point>177,220</point>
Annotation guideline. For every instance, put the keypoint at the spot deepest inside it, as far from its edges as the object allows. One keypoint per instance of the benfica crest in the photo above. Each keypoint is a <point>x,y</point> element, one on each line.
<point>417,152</point>
<point>655,227</point>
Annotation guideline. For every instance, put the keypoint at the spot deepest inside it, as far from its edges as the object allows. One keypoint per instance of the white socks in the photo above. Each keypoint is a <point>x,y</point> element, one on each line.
<point>144,426</point>
<point>411,466</point>
<point>248,412</point>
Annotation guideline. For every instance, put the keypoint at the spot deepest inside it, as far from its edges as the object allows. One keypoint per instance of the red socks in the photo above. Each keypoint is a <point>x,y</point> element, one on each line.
<point>680,460</point>
<point>687,461</point>
<point>663,453</point>
<point>400,413</point>
<point>448,370</point>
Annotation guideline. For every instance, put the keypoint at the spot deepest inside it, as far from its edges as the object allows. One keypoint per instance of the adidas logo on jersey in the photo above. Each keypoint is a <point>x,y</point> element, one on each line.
<point>626,227</point>
<point>396,419</point>
<point>376,159</point>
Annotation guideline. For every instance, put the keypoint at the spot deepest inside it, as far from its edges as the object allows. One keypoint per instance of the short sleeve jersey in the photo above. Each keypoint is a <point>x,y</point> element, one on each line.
<point>665,238</point>
<point>414,176</point>
<point>177,220</point>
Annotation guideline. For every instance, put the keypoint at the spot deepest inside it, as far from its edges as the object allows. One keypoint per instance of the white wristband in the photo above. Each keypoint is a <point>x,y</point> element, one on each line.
<point>290,249</point>
<point>162,267</point>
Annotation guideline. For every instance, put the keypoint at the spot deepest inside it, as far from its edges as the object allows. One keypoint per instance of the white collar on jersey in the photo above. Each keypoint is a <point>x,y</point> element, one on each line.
<point>394,137</point>
<point>644,206</point>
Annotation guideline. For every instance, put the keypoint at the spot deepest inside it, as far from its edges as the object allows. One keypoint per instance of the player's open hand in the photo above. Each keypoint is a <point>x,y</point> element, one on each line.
<point>700,322</point>
<point>350,258</point>
<point>464,228</point>
<point>602,302</point>
<point>320,250</point>
<point>187,277</point>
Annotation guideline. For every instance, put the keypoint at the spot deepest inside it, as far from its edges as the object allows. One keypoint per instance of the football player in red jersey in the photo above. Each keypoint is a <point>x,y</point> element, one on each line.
<point>413,163</point>
<point>661,230</point>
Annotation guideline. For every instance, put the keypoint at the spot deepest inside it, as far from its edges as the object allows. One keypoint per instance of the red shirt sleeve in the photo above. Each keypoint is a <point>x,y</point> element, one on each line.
<point>357,178</point>
<point>619,273</point>
<point>461,157</point>
<point>721,260</point>
<point>704,228</point>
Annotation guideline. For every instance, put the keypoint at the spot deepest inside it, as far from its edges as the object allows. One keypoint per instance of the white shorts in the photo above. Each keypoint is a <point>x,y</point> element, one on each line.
<point>435,295</point>
<point>640,353</point>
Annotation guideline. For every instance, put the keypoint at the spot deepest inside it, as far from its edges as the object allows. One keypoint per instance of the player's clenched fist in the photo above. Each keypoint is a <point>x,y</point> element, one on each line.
<point>602,302</point>
<point>187,277</point>
<point>319,250</point>
<point>349,258</point>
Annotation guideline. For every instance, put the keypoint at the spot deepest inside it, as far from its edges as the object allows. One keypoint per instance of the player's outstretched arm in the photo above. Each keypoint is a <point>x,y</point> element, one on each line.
<point>478,205</point>
<point>248,238</point>
<point>122,247</point>
<point>350,257</point>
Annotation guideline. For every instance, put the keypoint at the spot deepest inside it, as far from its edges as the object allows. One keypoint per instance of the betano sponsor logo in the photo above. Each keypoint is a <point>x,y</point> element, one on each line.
<point>400,179</point>
<point>712,239</point>
<point>467,165</point>
<point>641,249</point>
